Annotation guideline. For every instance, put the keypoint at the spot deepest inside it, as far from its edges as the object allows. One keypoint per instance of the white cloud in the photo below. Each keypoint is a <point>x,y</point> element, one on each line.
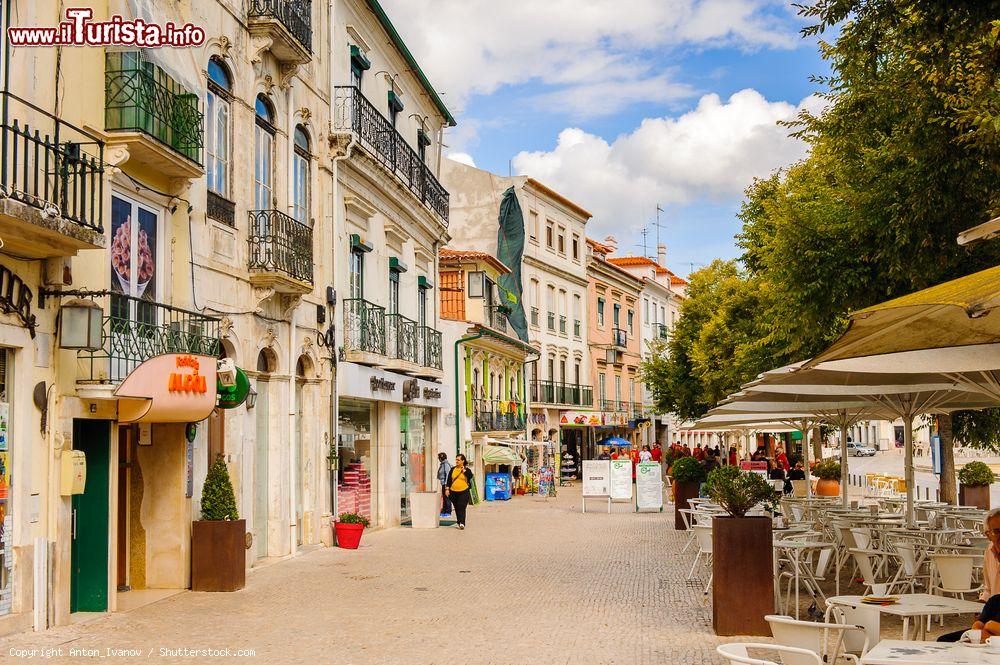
<point>585,49</point>
<point>713,151</point>
<point>461,158</point>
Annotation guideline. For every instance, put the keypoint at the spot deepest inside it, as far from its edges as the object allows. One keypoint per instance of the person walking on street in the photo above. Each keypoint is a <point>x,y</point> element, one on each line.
<point>646,455</point>
<point>444,469</point>
<point>457,489</point>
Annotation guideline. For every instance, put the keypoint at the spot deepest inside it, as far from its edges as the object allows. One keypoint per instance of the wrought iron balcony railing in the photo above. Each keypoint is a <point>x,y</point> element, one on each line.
<point>496,317</point>
<point>49,161</point>
<point>569,394</point>
<point>364,326</point>
<point>562,325</point>
<point>141,97</point>
<point>295,15</point>
<point>609,405</point>
<point>577,327</point>
<point>354,113</point>
<point>534,316</point>
<point>136,329</point>
<point>661,331</point>
<point>429,347</point>
<point>490,415</point>
<point>550,322</point>
<point>279,243</point>
<point>619,337</point>
<point>401,338</point>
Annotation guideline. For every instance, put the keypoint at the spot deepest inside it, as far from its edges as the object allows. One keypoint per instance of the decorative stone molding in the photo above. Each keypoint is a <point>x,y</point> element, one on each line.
<point>261,294</point>
<point>286,74</point>
<point>225,326</point>
<point>258,45</point>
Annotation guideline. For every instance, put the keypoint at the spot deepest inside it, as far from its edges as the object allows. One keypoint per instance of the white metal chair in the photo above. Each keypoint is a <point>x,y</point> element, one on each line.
<point>814,637</point>
<point>799,492</point>
<point>865,617</point>
<point>736,652</point>
<point>703,533</point>
<point>869,564</point>
<point>953,574</point>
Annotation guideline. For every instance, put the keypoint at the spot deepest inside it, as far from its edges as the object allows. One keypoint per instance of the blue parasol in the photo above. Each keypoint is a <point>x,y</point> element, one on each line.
<point>614,441</point>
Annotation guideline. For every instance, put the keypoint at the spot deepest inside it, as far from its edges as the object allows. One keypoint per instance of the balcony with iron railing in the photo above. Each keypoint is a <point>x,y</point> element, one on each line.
<point>619,337</point>
<point>577,328</point>
<point>495,316</point>
<point>429,350</point>
<point>280,252</point>
<point>364,332</point>
<point>136,329</point>
<point>534,316</point>
<point>401,342</point>
<point>562,325</point>
<point>52,181</point>
<point>152,115</point>
<point>355,114</point>
<point>288,26</point>
<point>608,404</point>
<point>567,394</point>
<point>550,322</point>
<point>491,415</point>
<point>661,331</point>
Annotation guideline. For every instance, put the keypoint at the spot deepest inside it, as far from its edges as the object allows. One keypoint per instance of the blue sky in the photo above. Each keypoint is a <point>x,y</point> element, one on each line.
<point>620,104</point>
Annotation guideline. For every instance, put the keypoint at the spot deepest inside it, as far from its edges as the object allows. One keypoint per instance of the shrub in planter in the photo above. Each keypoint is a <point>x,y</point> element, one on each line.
<point>218,539</point>
<point>688,474</point>
<point>974,481</point>
<point>349,527</point>
<point>742,558</point>
<point>828,472</point>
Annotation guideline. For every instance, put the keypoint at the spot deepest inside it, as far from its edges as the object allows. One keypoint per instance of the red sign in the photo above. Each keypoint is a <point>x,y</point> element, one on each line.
<point>172,388</point>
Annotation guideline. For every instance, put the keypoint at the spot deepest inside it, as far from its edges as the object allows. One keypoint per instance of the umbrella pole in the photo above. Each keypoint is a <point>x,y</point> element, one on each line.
<point>805,456</point>
<point>908,464</point>
<point>843,460</point>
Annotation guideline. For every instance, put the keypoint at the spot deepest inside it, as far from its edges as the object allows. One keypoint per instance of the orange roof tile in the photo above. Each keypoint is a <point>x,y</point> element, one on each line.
<point>448,255</point>
<point>631,261</point>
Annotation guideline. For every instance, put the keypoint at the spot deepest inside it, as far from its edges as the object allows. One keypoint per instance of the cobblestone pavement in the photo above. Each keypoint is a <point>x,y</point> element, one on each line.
<point>530,581</point>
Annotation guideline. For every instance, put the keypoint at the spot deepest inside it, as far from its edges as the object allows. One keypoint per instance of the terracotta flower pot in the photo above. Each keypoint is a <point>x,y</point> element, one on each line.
<point>743,575</point>
<point>348,535</point>
<point>978,496</point>
<point>218,555</point>
<point>827,487</point>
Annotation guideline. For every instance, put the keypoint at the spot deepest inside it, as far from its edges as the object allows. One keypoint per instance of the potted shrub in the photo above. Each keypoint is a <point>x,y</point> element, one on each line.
<point>688,474</point>
<point>828,472</point>
<point>349,527</point>
<point>742,553</point>
<point>974,480</point>
<point>218,539</point>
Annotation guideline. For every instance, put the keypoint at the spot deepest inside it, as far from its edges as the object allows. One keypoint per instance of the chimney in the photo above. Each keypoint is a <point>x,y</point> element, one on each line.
<point>611,243</point>
<point>661,254</point>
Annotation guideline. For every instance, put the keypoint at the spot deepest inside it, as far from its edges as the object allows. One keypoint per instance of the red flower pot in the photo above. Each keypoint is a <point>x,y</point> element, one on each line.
<point>348,535</point>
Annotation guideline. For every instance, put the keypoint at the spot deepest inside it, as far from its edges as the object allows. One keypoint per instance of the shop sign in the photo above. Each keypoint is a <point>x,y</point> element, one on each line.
<point>362,382</point>
<point>379,384</point>
<point>411,390</point>
<point>759,468</point>
<point>581,418</point>
<point>232,396</point>
<point>171,388</point>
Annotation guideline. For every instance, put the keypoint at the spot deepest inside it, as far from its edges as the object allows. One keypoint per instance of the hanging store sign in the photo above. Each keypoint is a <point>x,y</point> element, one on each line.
<point>232,396</point>
<point>171,388</point>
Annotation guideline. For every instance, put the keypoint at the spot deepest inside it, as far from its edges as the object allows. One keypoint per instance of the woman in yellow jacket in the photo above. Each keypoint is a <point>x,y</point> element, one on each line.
<point>457,489</point>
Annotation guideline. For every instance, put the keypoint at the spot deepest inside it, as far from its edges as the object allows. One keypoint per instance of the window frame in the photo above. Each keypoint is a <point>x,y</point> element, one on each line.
<point>218,99</point>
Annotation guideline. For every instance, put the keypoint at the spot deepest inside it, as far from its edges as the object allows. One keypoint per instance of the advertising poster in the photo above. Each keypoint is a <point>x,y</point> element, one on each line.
<point>596,477</point>
<point>621,480</point>
<point>648,486</point>
<point>756,467</point>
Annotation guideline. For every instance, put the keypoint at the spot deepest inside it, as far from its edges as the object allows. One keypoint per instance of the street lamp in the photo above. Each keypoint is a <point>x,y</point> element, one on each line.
<point>251,398</point>
<point>81,325</point>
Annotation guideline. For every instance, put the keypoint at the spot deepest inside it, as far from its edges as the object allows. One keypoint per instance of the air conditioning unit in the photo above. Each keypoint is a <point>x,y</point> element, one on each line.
<point>227,373</point>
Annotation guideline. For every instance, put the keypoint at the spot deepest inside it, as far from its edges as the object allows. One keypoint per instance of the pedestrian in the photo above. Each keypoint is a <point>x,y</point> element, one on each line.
<point>444,468</point>
<point>698,452</point>
<point>459,482</point>
<point>646,455</point>
<point>657,452</point>
<point>732,455</point>
<point>687,450</point>
<point>781,460</point>
<point>605,454</point>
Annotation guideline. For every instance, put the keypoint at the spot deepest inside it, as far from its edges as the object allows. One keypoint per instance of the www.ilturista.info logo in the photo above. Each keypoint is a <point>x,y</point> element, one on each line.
<point>79,30</point>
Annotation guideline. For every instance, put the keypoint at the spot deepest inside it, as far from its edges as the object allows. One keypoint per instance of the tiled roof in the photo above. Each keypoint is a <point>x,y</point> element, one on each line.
<point>632,261</point>
<point>449,255</point>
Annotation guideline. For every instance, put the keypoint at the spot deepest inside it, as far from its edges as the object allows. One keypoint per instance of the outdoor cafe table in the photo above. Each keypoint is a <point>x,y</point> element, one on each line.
<point>910,605</point>
<point>795,548</point>
<point>907,652</point>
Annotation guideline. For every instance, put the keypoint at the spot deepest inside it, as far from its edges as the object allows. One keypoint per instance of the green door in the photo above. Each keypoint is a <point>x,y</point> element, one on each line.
<point>89,556</point>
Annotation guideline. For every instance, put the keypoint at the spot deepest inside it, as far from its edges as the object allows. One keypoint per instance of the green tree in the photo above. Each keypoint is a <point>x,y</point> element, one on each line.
<point>218,502</point>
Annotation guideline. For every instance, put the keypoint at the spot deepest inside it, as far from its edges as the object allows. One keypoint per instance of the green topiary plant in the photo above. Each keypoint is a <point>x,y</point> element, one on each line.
<point>687,470</point>
<point>828,469</point>
<point>218,502</point>
<point>976,474</point>
<point>738,492</point>
<point>353,518</point>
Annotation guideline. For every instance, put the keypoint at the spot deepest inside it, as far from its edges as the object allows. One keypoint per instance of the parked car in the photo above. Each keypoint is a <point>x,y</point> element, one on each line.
<point>859,450</point>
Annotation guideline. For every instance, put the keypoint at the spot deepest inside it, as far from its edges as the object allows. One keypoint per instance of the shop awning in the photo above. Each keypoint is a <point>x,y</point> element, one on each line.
<point>500,455</point>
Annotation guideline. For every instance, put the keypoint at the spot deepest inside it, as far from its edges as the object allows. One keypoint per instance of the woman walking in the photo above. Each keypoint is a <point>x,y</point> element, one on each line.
<point>459,482</point>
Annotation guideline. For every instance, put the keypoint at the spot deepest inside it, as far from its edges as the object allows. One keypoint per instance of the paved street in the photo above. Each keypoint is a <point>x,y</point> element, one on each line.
<point>891,461</point>
<point>529,581</point>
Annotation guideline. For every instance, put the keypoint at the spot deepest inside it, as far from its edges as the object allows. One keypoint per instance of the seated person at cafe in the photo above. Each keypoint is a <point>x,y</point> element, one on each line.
<point>798,473</point>
<point>988,620</point>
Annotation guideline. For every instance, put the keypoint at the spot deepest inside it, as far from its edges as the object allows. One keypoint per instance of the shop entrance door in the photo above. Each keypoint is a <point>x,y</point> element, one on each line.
<point>89,549</point>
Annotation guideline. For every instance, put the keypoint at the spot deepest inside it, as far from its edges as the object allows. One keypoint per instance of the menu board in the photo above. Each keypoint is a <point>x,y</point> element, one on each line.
<point>621,480</point>
<point>648,486</point>
<point>757,467</point>
<point>596,477</point>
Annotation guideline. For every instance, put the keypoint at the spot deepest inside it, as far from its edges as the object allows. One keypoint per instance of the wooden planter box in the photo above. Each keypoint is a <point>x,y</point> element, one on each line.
<point>978,496</point>
<point>683,492</point>
<point>218,555</point>
<point>743,576</point>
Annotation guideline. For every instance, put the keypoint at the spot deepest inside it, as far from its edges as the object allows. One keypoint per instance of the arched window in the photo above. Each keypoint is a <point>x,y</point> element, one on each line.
<point>300,184</point>
<point>263,145</point>
<point>217,113</point>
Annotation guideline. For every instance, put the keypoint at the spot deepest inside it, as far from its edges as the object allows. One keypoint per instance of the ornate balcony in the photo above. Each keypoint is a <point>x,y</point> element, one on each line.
<point>280,252</point>
<point>152,115</point>
<point>490,415</point>
<point>355,114</point>
<point>661,331</point>
<point>429,350</point>
<point>52,175</point>
<point>136,329</point>
<point>496,317</point>
<point>566,394</point>
<point>287,23</point>
<point>401,342</point>
<point>619,337</point>
<point>364,332</point>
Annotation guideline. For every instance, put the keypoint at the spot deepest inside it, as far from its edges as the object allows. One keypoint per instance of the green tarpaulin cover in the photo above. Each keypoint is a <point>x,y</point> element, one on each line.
<point>510,249</point>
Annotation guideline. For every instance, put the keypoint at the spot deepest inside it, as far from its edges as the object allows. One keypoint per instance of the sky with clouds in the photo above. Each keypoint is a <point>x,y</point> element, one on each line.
<point>623,104</point>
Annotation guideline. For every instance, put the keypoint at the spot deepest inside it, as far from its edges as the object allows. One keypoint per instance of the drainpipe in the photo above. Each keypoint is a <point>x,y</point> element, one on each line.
<point>458,399</point>
<point>293,460</point>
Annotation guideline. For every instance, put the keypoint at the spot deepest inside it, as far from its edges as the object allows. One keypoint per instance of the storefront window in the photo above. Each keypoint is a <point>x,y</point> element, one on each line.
<point>356,467</point>
<point>6,495</point>
<point>413,462</point>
